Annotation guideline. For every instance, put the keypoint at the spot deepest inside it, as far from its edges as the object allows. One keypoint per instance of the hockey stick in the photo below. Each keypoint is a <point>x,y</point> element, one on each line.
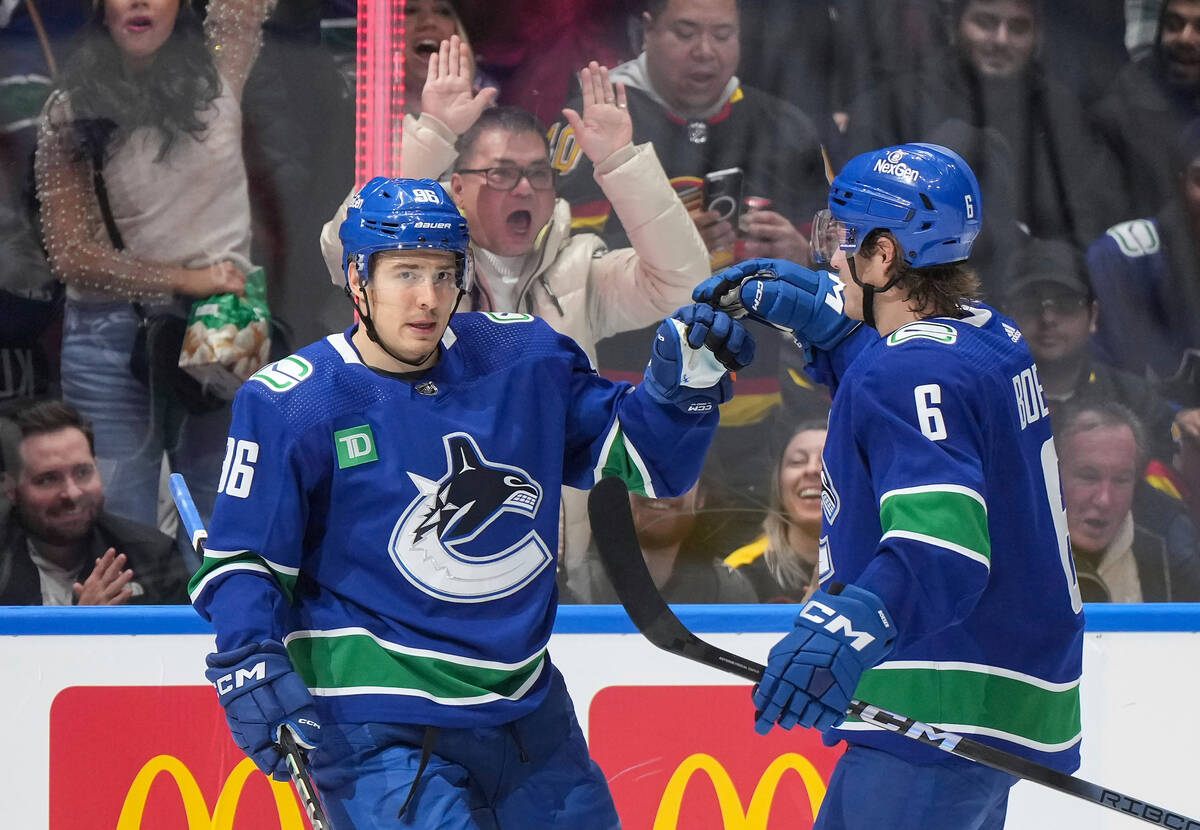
<point>616,539</point>
<point>293,755</point>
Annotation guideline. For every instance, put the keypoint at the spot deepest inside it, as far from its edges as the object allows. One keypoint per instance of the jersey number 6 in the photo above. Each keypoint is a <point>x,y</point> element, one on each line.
<point>929,417</point>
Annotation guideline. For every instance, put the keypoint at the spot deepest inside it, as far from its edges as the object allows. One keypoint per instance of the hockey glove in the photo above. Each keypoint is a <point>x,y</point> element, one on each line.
<point>262,694</point>
<point>692,350</point>
<point>812,672</point>
<point>807,304</point>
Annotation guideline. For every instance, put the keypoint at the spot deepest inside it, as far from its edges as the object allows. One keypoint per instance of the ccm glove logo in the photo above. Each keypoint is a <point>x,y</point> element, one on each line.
<point>835,623</point>
<point>235,680</point>
<point>758,295</point>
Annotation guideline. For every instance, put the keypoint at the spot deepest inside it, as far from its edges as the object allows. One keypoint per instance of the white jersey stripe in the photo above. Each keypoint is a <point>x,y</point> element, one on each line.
<point>941,543</point>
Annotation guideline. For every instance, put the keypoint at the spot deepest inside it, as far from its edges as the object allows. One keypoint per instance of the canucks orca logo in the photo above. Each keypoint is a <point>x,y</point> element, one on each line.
<point>432,546</point>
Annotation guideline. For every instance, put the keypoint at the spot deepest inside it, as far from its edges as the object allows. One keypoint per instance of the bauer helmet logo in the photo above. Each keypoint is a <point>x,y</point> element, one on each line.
<point>895,156</point>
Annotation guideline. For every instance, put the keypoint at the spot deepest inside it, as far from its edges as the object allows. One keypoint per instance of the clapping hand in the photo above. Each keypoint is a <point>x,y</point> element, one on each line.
<point>449,94</point>
<point>605,125</point>
<point>107,584</point>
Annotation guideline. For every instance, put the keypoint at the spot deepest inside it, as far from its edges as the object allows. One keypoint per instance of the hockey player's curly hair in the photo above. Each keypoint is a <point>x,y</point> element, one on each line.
<point>108,101</point>
<point>935,290</point>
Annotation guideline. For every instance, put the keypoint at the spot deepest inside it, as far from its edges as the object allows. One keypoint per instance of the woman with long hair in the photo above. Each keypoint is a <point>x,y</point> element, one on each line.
<point>145,209</point>
<point>781,564</point>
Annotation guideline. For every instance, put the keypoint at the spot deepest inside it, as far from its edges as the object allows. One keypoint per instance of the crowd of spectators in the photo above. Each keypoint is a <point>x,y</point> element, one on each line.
<point>154,154</point>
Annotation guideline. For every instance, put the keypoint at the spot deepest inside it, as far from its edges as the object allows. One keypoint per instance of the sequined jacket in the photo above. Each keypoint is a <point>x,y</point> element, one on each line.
<point>189,209</point>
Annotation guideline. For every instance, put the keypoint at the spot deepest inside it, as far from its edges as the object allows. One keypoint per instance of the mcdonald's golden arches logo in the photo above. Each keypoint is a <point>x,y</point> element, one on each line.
<point>194,806</point>
<point>756,813</point>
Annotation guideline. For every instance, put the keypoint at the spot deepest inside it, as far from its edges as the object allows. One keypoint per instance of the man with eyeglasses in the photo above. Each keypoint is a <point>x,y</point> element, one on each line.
<point>1050,297</point>
<point>526,258</point>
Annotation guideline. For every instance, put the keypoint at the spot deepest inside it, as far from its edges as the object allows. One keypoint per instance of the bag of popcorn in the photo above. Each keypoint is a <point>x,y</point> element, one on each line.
<point>228,337</point>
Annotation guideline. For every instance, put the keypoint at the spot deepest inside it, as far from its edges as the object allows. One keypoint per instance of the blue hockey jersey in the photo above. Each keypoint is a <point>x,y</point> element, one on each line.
<point>398,534</point>
<point>941,495</point>
<point>1146,277</point>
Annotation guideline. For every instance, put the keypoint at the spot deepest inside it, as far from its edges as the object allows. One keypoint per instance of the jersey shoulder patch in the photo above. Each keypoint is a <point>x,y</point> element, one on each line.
<point>284,375</point>
<point>504,317</point>
<point>933,330</point>
<point>1136,237</point>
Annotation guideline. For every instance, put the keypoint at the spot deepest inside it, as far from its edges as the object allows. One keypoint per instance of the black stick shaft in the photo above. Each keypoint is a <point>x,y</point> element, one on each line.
<point>616,540</point>
<point>292,753</point>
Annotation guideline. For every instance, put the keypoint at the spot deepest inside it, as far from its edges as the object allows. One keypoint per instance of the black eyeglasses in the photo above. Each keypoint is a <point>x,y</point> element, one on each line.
<point>506,177</point>
<point>1062,304</point>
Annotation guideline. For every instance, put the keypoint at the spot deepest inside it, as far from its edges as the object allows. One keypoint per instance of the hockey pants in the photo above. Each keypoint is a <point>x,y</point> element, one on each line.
<point>532,773</point>
<point>871,789</point>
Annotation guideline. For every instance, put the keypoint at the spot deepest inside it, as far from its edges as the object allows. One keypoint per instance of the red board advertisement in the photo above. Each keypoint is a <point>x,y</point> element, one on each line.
<point>156,758</point>
<point>688,757</point>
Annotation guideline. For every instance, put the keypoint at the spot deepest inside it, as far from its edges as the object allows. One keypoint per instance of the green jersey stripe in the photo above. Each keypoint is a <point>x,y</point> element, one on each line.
<point>362,664</point>
<point>953,515</point>
<point>214,566</point>
<point>620,458</point>
<point>982,702</point>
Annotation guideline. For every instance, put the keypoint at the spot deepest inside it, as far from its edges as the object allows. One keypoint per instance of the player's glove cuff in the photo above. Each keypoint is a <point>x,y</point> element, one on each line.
<point>262,693</point>
<point>691,353</point>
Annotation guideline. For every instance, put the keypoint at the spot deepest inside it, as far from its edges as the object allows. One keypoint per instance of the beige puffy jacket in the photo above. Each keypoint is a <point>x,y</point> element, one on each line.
<point>574,282</point>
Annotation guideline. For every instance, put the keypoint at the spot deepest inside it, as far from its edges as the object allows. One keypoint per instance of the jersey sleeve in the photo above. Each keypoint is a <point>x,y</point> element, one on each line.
<point>828,367</point>
<point>252,560</point>
<point>614,428</point>
<point>1113,263</point>
<point>920,428</point>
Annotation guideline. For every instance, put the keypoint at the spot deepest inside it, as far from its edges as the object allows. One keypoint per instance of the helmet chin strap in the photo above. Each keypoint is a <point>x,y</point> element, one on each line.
<point>869,291</point>
<point>364,313</point>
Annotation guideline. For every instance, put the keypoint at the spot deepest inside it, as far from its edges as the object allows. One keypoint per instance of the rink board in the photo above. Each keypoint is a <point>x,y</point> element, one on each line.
<point>108,724</point>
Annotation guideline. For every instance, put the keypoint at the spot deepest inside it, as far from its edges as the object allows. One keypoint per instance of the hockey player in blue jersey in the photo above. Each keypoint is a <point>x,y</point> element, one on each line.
<point>380,570</point>
<point>947,586</point>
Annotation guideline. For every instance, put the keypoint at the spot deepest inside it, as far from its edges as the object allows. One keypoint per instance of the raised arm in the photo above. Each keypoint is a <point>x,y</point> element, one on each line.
<point>233,29</point>
<point>667,258</point>
<point>73,228</point>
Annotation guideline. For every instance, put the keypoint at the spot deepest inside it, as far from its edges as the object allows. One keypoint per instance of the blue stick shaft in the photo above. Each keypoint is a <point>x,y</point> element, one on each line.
<point>188,514</point>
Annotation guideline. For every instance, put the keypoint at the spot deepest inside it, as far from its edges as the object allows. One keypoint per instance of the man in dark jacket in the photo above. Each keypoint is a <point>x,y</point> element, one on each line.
<point>1143,114</point>
<point>1051,298</point>
<point>57,545</point>
<point>1025,134</point>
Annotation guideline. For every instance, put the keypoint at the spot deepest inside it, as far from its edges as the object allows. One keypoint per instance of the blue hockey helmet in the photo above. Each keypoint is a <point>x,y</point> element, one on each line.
<point>925,194</point>
<point>403,215</point>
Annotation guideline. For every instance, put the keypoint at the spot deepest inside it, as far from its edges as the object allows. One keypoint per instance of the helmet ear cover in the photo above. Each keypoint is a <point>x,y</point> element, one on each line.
<point>404,214</point>
<point>925,194</point>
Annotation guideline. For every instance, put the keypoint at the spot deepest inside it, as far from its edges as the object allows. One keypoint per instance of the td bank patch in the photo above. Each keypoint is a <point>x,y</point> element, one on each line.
<point>355,445</point>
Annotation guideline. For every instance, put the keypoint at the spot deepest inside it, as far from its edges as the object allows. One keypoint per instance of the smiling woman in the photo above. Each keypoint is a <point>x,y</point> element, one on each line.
<point>781,563</point>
